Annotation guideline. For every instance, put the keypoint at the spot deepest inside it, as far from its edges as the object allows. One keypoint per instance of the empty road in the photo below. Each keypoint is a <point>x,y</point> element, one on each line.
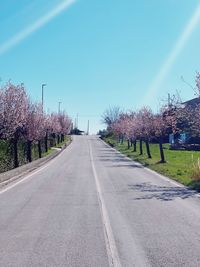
<point>91,206</point>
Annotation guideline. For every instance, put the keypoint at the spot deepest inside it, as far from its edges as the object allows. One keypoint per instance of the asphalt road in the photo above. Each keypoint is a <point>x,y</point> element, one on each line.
<point>91,206</point>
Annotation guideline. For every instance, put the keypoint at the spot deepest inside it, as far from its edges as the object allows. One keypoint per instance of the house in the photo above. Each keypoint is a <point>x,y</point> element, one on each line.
<point>184,140</point>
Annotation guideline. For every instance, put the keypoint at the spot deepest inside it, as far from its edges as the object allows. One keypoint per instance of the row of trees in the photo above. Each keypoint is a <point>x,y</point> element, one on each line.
<point>141,125</point>
<point>23,119</point>
<point>145,125</point>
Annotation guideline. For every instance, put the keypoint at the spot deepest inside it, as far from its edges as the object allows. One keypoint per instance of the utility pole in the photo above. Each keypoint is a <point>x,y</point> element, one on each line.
<point>77,121</point>
<point>169,100</point>
<point>43,85</point>
<point>59,103</point>
<point>46,135</point>
<point>88,127</point>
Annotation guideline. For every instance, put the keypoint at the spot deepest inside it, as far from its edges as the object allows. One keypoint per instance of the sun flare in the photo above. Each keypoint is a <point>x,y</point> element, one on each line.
<point>20,36</point>
<point>172,57</point>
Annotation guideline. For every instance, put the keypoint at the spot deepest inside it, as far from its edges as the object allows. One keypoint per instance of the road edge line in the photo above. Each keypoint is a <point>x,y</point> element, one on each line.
<point>18,180</point>
<point>110,241</point>
<point>166,178</point>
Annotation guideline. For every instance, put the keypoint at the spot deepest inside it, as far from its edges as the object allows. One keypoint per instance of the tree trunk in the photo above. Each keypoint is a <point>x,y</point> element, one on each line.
<point>128,141</point>
<point>119,138</point>
<point>148,149</point>
<point>58,139</point>
<point>131,142</point>
<point>62,138</point>
<point>15,152</point>
<point>162,156</point>
<point>122,140</point>
<point>53,135</point>
<point>39,149</point>
<point>29,151</point>
<point>46,142</point>
<point>135,146</point>
<point>141,149</point>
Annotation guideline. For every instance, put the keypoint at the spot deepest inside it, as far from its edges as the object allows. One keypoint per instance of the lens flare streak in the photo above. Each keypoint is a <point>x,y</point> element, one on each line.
<point>20,36</point>
<point>172,57</point>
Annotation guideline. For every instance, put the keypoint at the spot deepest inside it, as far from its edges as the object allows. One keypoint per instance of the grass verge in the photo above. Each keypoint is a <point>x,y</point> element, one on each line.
<point>67,139</point>
<point>6,158</point>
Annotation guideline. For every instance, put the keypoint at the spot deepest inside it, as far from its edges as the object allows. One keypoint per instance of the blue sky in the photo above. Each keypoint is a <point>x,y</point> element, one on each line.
<point>98,53</point>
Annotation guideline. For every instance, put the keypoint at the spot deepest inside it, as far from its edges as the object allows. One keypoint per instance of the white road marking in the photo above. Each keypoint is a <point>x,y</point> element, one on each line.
<point>28,176</point>
<point>22,180</point>
<point>110,242</point>
<point>165,178</point>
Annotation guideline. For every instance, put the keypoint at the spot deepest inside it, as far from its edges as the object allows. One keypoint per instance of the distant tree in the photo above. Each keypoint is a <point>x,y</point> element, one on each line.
<point>103,133</point>
<point>35,128</point>
<point>127,127</point>
<point>116,129</point>
<point>48,130</point>
<point>145,127</point>
<point>131,129</point>
<point>65,124</point>
<point>160,126</point>
<point>55,126</point>
<point>110,116</point>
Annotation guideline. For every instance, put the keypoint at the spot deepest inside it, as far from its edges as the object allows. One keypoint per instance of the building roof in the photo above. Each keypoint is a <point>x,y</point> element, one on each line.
<point>192,102</point>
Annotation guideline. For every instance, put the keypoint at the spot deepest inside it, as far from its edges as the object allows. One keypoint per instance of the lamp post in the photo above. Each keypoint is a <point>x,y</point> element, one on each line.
<point>46,135</point>
<point>43,85</point>
<point>59,103</point>
<point>88,127</point>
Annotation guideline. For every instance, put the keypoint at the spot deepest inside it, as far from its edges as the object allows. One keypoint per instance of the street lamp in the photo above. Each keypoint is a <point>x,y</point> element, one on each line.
<point>43,85</point>
<point>59,103</point>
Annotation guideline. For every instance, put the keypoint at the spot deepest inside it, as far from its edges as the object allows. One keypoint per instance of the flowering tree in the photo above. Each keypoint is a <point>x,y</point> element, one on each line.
<point>22,121</point>
<point>198,82</point>
<point>55,126</point>
<point>48,129</point>
<point>120,127</point>
<point>123,127</point>
<point>65,124</point>
<point>116,129</point>
<point>14,110</point>
<point>160,128</point>
<point>129,128</point>
<point>174,118</point>
<point>34,129</point>
<point>145,127</point>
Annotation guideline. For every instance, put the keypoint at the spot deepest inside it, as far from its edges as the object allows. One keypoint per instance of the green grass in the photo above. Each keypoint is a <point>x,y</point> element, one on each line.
<point>6,158</point>
<point>178,166</point>
<point>66,140</point>
<point>44,154</point>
